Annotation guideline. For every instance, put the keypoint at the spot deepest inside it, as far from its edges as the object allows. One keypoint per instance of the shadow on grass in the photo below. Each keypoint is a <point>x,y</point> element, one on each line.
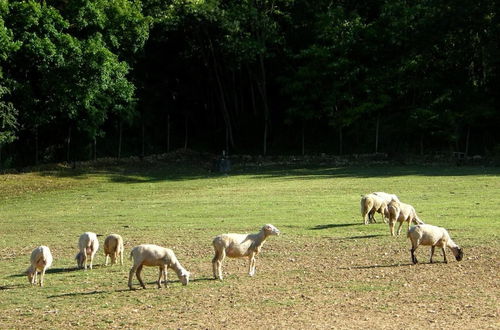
<point>144,172</point>
<point>376,266</point>
<point>333,225</point>
<point>11,286</point>
<point>364,236</point>
<point>76,294</point>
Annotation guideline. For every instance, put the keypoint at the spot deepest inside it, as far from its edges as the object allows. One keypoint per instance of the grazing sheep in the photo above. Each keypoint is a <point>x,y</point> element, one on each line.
<point>240,245</point>
<point>386,197</point>
<point>370,204</point>
<point>154,255</point>
<point>401,212</point>
<point>41,260</point>
<point>88,245</point>
<point>433,236</point>
<point>113,247</point>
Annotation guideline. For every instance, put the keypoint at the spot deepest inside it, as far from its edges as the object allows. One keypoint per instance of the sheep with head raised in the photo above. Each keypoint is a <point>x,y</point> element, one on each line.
<point>240,245</point>
<point>41,260</point>
<point>154,255</point>
<point>113,247</point>
<point>433,236</point>
<point>88,244</point>
<point>370,204</point>
<point>401,212</point>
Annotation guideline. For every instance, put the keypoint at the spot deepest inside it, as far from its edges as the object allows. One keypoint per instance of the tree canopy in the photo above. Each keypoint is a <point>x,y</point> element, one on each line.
<point>125,77</point>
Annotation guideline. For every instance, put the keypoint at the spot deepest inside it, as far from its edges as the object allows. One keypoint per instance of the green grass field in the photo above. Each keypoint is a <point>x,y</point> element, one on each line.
<point>327,269</point>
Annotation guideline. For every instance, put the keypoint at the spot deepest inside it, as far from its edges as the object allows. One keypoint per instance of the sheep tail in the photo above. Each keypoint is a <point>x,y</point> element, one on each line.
<point>418,221</point>
<point>131,256</point>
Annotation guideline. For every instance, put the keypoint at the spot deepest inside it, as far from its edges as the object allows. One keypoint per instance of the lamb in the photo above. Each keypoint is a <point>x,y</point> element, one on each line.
<point>113,247</point>
<point>41,260</point>
<point>401,212</point>
<point>370,204</point>
<point>433,236</point>
<point>154,255</point>
<point>240,245</point>
<point>88,245</point>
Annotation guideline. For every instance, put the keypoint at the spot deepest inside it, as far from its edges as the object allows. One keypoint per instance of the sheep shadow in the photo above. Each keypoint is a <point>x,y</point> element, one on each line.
<point>333,225</point>
<point>364,236</point>
<point>376,266</point>
<point>76,294</point>
<point>11,286</point>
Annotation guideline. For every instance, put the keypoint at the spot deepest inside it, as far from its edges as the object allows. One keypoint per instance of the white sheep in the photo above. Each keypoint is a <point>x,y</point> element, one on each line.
<point>41,260</point>
<point>386,197</point>
<point>401,212</point>
<point>154,255</point>
<point>113,247</point>
<point>240,245</point>
<point>433,236</point>
<point>88,246</point>
<point>370,204</point>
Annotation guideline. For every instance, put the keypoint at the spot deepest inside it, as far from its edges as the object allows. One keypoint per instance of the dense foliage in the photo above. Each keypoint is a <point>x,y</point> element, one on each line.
<point>81,79</point>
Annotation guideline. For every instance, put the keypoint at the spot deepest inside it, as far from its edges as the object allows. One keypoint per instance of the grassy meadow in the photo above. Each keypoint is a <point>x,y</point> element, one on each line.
<point>327,269</point>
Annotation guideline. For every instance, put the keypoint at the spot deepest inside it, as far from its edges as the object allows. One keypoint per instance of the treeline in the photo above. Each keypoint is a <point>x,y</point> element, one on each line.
<point>81,79</point>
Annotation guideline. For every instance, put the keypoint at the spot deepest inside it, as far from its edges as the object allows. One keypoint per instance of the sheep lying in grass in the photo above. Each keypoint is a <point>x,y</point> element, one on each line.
<point>370,204</point>
<point>88,245</point>
<point>401,212</point>
<point>113,247</point>
<point>240,245</point>
<point>154,255</point>
<point>41,260</point>
<point>433,236</point>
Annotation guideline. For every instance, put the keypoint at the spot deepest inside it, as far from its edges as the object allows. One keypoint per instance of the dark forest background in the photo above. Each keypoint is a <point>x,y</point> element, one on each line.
<point>81,79</point>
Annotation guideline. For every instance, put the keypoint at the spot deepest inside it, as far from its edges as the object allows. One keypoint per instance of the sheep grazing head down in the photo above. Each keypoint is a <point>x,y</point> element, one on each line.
<point>80,259</point>
<point>460,254</point>
<point>184,277</point>
<point>270,230</point>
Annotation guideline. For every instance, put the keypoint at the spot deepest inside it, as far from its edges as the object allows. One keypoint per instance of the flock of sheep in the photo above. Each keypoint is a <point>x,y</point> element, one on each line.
<point>390,207</point>
<point>230,245</point>
<point>242,245</point>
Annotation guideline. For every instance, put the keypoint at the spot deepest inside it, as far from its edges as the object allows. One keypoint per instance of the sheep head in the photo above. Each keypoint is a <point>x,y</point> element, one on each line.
<point>270,230</point>
<point>184,277</point>
<point>459,254</point>
<point>80,259</point>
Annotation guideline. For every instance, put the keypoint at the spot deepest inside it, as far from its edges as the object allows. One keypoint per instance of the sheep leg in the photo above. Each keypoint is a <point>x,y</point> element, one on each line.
<point>42,274</point>
<point>131,275</point>
<point>159,276</point>
<point>432,253</point>
<point>399,228</point>
<point>85,259</point>
<point>33,281</point>
<point>391,227</point>
<point>217,263</point>
<point>413,257</point>
<point>91,259</point>
<point>106,260</point>
<point>121,258</point>
<point>138,274</point>
<point>251,265</point>
<point>444,255</point>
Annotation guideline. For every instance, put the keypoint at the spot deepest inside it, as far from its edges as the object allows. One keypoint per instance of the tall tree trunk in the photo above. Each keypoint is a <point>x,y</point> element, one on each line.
<point>185,132</point>
<point>95,148</point>
<point>467,138</point>
<point>376,133</point>
<point>225,112</point>
<point>68,144</point>
<point>421,144</point>
<point>303,140</point>
<point>168,132</point>
<point>263,92</point>
<point>36,145</point>
<point>143,143</point>
<point>340,141</point>
<point>120,133</point>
